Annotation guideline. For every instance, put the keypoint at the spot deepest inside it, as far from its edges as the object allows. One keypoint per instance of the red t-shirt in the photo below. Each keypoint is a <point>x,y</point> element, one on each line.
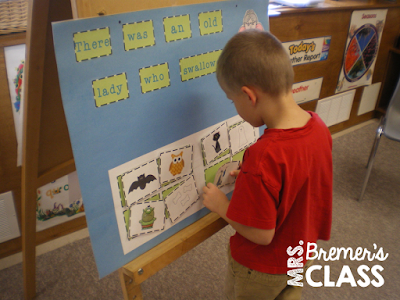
<point>285,183</point>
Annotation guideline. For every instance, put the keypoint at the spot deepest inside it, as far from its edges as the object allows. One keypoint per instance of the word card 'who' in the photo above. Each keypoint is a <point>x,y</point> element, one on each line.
<point>154,77</point>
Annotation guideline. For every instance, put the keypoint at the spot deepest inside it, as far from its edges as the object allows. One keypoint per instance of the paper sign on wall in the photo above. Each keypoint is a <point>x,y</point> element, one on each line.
<point>335,109</point>
<point>15,62</point>
<point>309,50</point>
<point>58,202</point>
<point>307,90</point>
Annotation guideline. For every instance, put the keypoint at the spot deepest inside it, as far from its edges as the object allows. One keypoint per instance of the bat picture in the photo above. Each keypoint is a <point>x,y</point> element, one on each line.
<point>141,182</point>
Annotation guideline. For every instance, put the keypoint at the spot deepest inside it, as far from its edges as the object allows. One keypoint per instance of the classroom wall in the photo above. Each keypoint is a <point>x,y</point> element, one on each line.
<point>312,23</point>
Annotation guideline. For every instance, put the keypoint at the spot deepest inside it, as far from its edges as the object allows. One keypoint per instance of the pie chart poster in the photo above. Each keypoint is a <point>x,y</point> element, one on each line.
<point>366,27</point>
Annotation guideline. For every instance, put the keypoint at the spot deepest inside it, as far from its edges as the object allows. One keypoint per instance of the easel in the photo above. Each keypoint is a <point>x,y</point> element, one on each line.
<point>47,153</point>
<point>44,158</point>
<point>149,263</point>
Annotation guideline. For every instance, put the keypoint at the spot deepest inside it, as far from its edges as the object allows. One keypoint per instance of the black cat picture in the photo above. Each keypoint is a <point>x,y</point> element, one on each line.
<point>217,146</point>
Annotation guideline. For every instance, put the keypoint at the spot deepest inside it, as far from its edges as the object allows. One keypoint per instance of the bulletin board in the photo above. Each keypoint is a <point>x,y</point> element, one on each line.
<point>148,123</point>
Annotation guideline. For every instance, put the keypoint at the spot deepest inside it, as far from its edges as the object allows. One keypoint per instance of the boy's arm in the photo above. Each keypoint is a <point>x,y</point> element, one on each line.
<point>216,201</point>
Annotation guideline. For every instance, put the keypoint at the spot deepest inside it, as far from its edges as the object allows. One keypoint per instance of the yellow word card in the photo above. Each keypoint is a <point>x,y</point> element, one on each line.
<point>198,65</point>
<point>138,35</point>
<point>210,22</point>
<point>110,89</point>
<point>92,44</point>
<point>154,78</point>
<point>177,28</point>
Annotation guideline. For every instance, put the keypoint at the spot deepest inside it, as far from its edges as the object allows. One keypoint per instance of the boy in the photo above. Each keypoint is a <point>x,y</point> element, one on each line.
<point>283,192</point>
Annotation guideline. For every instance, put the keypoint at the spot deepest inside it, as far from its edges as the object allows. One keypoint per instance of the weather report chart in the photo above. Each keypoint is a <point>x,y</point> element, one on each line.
<point>362,49</point>
<point>148,122</point>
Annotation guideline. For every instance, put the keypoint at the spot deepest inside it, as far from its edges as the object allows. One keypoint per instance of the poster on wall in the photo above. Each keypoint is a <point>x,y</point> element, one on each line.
<point>307,90</point>
<point>365,34</point>
<point>15,61</point>
<point>308,50</point>
<point>58,201</point>
<point>335,109</point>
<point>149,124</point>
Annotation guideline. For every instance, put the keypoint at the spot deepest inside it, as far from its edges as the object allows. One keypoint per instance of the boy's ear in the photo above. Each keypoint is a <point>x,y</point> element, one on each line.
<point>251,94</point>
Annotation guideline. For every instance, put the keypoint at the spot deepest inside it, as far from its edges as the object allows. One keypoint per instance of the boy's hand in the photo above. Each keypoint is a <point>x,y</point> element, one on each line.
<point>236,172</point>
<point>215,200</point>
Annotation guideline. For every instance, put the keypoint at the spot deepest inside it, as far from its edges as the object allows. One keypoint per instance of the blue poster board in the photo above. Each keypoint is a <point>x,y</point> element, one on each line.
<point>132,83</point>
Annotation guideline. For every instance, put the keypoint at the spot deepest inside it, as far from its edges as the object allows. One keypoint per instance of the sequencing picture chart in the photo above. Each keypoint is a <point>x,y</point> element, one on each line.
<point>159,189</point>
<point>141,101</point>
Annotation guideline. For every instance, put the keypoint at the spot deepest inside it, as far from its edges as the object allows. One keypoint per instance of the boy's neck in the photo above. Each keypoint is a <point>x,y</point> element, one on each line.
<point>283,113</point>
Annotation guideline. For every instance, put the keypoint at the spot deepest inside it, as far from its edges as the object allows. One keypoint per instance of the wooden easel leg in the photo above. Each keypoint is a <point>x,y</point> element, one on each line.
<point>130,290</point>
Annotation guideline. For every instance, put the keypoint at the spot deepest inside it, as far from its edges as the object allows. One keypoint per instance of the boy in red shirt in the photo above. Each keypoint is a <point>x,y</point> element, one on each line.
<point>283,192</point>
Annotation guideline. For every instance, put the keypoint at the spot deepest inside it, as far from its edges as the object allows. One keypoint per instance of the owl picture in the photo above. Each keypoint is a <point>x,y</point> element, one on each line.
<point>177,164</point>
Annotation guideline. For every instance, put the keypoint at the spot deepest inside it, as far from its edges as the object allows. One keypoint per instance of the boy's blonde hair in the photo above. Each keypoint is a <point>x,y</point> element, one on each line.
<point>255,58</point>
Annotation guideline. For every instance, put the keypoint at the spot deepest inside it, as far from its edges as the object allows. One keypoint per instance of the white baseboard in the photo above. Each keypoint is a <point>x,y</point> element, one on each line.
<point>12,260</point>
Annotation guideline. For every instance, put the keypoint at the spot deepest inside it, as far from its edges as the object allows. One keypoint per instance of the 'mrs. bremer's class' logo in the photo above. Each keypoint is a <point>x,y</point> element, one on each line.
<point>369,275</point>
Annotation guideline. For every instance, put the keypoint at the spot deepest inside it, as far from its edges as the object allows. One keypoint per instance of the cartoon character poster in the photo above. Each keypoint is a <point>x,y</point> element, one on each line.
<point>365,33</point>
<point>15,60</point>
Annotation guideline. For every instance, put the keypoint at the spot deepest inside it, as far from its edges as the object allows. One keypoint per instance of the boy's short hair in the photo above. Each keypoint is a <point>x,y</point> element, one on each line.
<point>255,58</point>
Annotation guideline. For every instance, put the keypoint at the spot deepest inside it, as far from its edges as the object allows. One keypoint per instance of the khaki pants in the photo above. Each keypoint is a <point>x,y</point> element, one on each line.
<point>245,284</point>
